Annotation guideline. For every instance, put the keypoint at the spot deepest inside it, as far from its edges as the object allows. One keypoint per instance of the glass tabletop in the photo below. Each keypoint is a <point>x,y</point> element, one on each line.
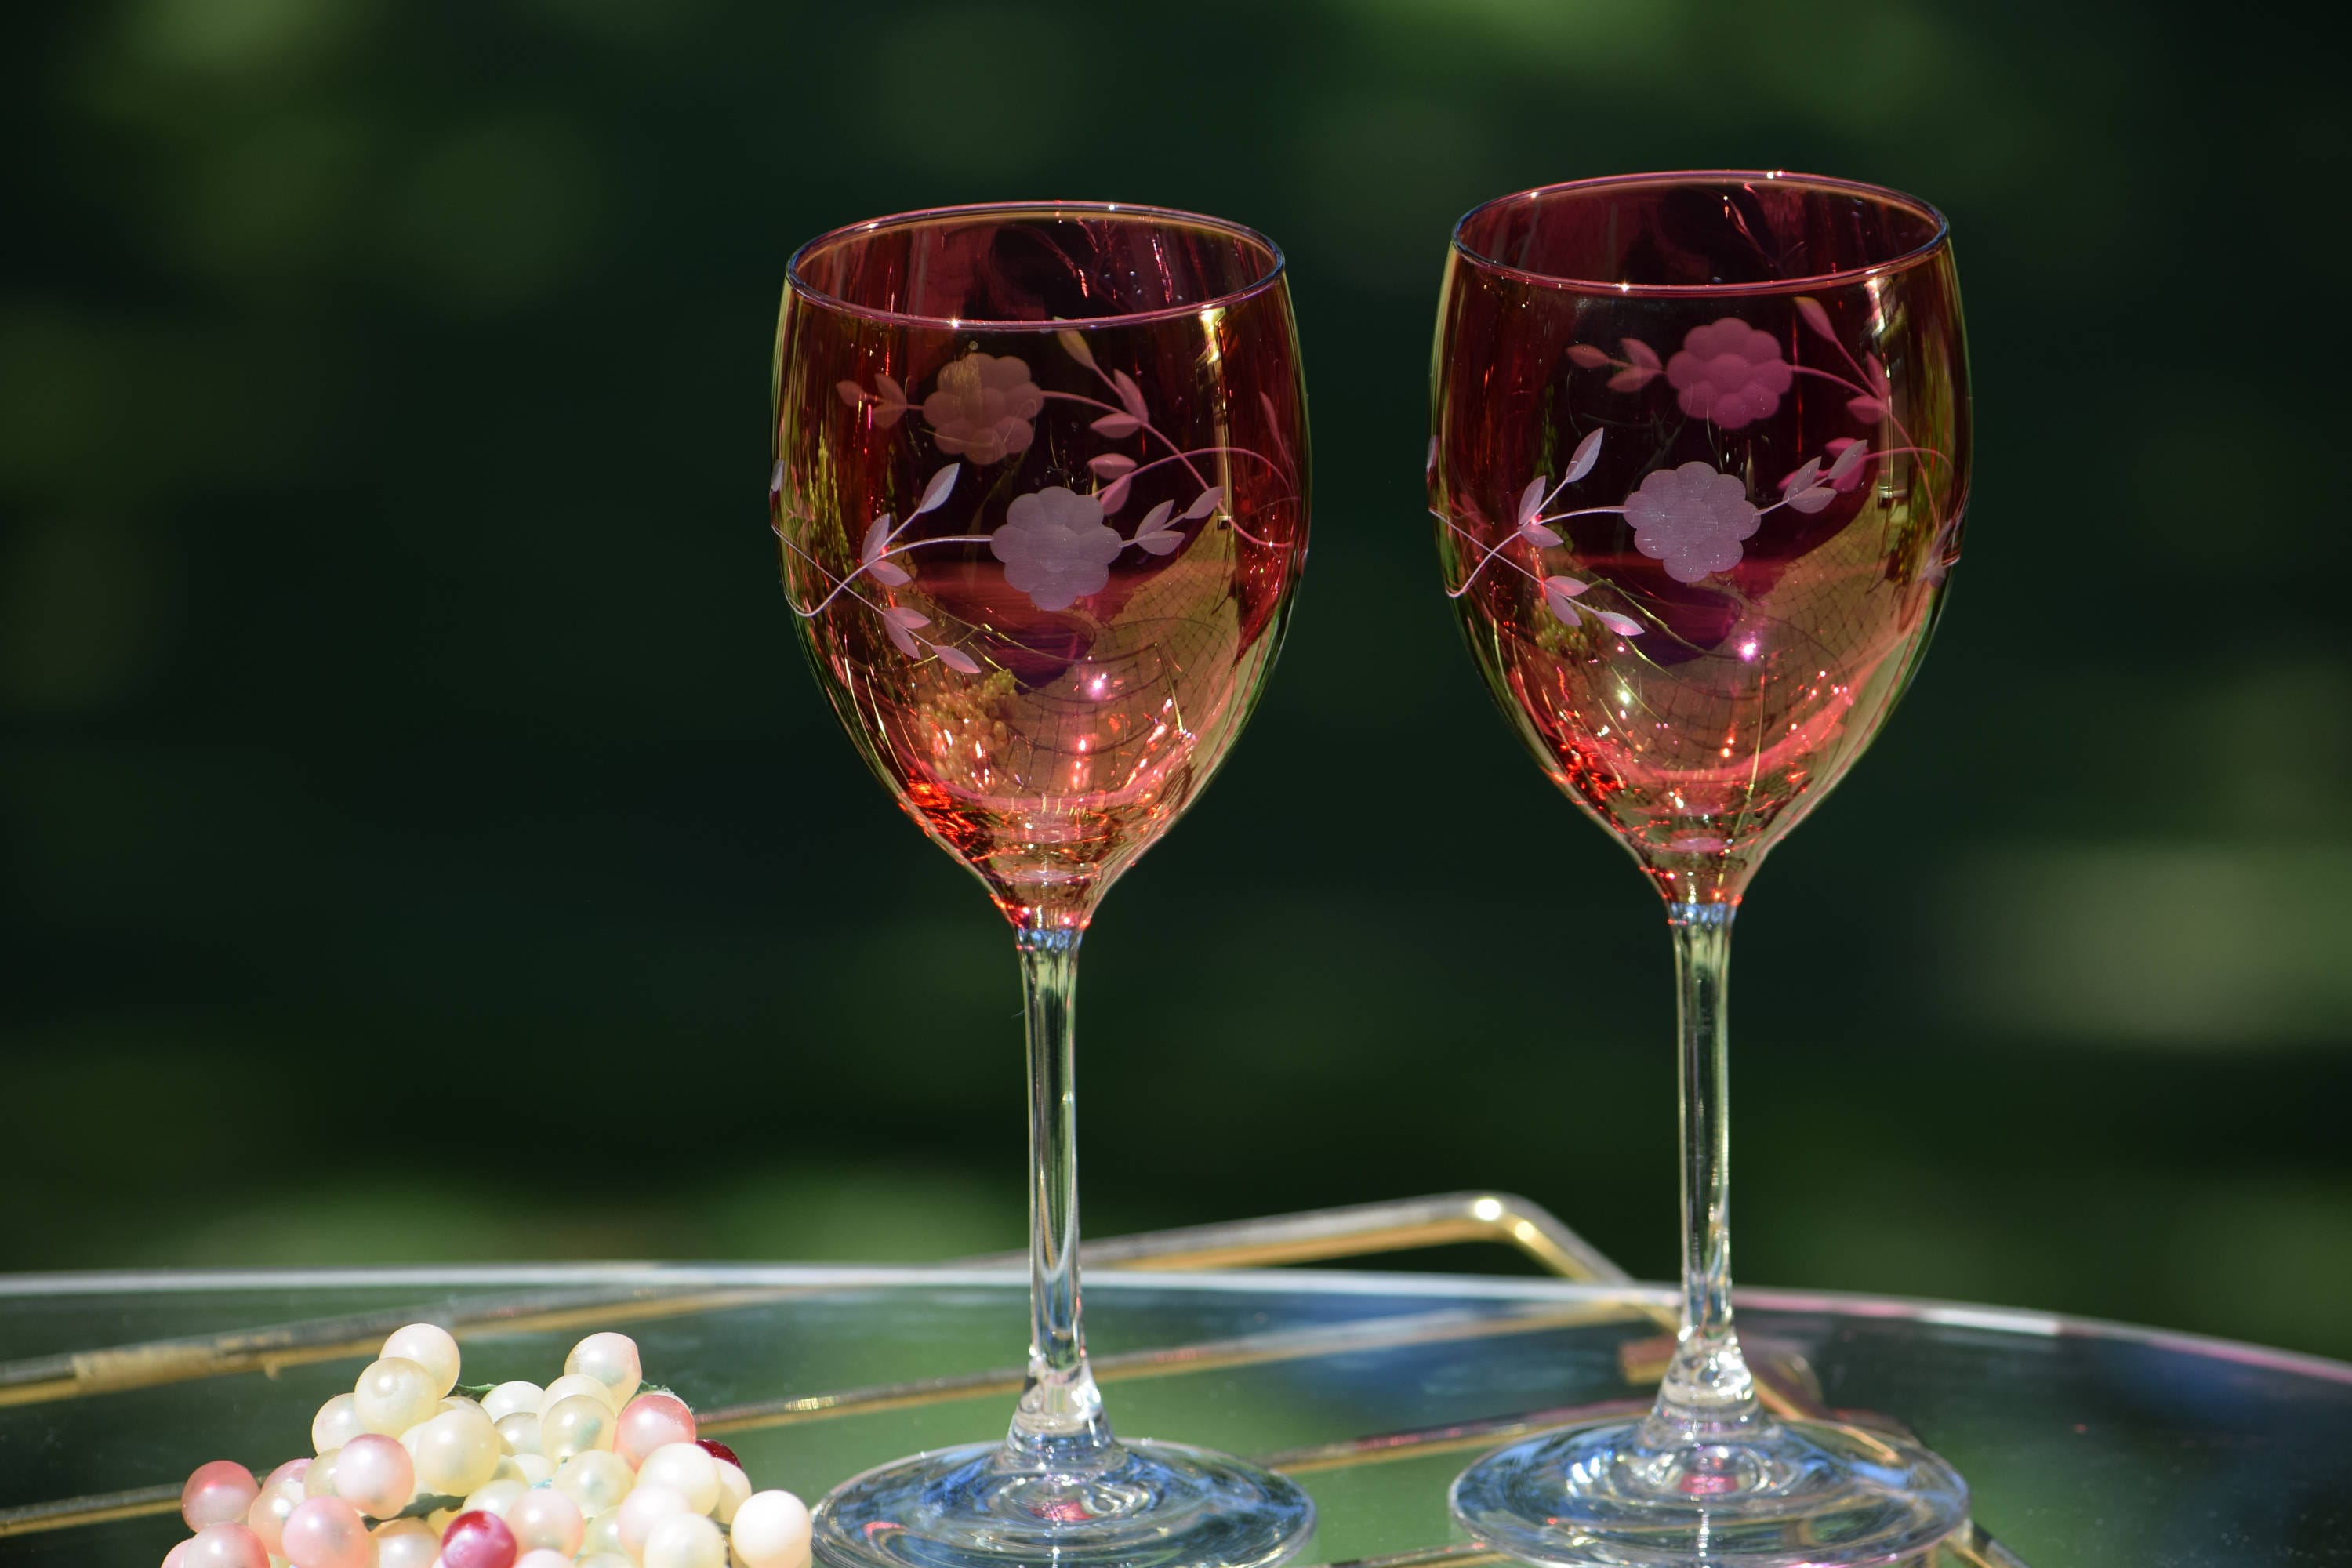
<point>2086,1444</point>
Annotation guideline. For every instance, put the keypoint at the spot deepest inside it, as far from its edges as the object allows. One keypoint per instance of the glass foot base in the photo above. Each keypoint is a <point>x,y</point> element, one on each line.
<point>1152,1505</point>
<point>1786,1494</point>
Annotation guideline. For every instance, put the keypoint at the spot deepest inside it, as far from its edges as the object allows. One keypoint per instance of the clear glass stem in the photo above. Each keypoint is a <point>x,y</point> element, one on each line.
<point>1707,1391</point>
<point>1060,1423</point>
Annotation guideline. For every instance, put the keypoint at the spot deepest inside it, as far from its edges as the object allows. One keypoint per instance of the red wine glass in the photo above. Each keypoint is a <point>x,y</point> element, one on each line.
<point>1041,499</point>
<point>1700,461</point>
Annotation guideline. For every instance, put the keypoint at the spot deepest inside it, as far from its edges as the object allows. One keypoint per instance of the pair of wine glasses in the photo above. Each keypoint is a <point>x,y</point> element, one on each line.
<point>1699,463</point>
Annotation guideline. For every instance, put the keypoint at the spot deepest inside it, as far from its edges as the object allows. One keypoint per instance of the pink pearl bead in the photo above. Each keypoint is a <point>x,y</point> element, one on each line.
<point>292,1468</point>
<point>543,1519</point>
<point>217,1493</point>
<point>177,1557</point>
<point>478,1540</point>
<point>649,1421</point>
<point>226,1546</point>
<point>376,1474</point>
<point>327,1533</point>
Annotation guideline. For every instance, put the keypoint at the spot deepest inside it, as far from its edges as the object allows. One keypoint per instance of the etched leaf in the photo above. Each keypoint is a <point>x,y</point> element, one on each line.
<point>1204,503</point>
<point>901,615</point>
<point>1644,356</point>
<point>1876,374</point>
<point>904,638</point>
<point>876,538</point>
<point>1130,395</point>
<point>1076,347</point>
<point>955,659</point>
<point>1156,519</point>
<point>1813,499</point>
<point>1561,609</point>
<point>1115,496</point>
<point>1847,461</point>
<point>1866,407</point>
<point>1161,542</point>
<point>1632,380</point>
<point>1531,498</point>
<point>1815,317</point>
<point>1538,535</point>
<point>776,483</point>
<point>1623,626</point>
<point>1587,356</point>
<point>893,394</point>
<point>936,491</point>
<point>1588,452</point>
<point>889,573</point>
<point>1111,465</point>
<point>1571,586</point>
<point>1116,425</point>
<point>851,393</point>
<point>1803,476</point>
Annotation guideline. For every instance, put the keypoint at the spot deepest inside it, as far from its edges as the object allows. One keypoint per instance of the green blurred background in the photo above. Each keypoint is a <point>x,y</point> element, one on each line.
<point>423,841</point>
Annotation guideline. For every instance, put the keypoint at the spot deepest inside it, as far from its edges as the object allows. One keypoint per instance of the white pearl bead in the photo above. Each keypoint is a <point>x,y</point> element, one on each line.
<point>394,1394</point>
<point>518,1432</point>
<point>457,1451</point>
<point>494,1497</point>
<point>571,1384</point>
<point>406,1543</point>
<point>509,1398</point>
<point>734,1486</point>
<point>687,1471</point>
<point>541,1557</point>
<point>543,1516</point>
<point>772,1531</point>
<point>597,1480</point>
<point>685,1540</point>
<point>373,1474</point>
<point>430,1347</point>
<point>337,1423</point>
<point>575,1425</point>
<point>319,1480</point>
<point>602,1536</point>
<point>606,1560</point>
<point>611,1360</point>
<point>535,1468</point>
<point>644,1509</point>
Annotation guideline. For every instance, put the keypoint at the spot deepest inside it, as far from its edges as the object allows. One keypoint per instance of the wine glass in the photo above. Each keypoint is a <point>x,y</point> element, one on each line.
<point>1700,459</point>
<point>1041,499</point>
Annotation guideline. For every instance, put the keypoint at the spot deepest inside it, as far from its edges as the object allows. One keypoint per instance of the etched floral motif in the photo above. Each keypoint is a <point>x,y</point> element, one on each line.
<point>1728,373</point>
<point>982,407</point>
<point>1055,547</point>
<point>1692,519</point>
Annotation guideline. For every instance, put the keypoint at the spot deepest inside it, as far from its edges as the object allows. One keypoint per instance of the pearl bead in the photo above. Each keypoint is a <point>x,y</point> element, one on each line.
<point>518,1432</point>
<point>327,1533</point>
<point>650,1421</point>
<point>178,1556</point>
<point>430,1347</point>
<point>601,1560</point>
<point>509,1398</point>
<point>280,1495</point>
<point>457,1451</point>
<point>734,1486</point>
<point>319,1480</point>
<point>685,1540</point>
<point>641,1511</point>
<point>596,1481</point>
<point>543,1516</point>
<point>217,1493</point>
<point>772,1531</point>
<point>373,1473</point>
<point>574,1383</point>
<point>226,1546</point>
<point>337,1423</point>
<point>685,1470</point>
<point>575,1425</point>
<point>533,1468</point>
<point>406,1543</point>
<point>493,1497</point>
<point>611,1360</point>
<point>542,1558</point>
<point>602,1536</point>
<point>477,1540</point>
<point>394,1394</point>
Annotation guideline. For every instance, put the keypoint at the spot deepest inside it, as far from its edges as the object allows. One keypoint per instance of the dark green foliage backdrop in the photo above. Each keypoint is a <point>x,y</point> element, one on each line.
<point>422,840</point>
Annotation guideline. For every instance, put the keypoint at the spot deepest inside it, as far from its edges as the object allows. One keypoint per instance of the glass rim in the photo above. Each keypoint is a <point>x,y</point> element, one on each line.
<point>1886,196</point>
<point>1271,276</point>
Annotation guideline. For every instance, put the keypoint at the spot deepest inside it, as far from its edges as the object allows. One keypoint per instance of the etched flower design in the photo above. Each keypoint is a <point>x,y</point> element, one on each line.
<point>1055,547</point>
<point>1691,517</point>
<point>982,407</point>
<point>1729,372</point>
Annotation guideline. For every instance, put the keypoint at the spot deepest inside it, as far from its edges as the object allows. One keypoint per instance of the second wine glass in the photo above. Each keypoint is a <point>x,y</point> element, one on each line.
<point>1700,462</point>
<point>1040,493</point>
